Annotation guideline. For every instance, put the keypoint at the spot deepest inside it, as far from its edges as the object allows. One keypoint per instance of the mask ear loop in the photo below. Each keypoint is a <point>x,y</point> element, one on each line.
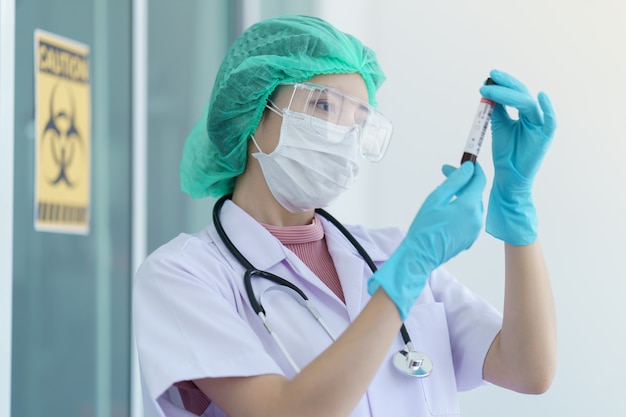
<point>257,145</point>
<point>273,107</point>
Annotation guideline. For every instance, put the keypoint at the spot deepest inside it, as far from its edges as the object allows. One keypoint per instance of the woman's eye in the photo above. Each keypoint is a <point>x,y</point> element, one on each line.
<point>323,105</point>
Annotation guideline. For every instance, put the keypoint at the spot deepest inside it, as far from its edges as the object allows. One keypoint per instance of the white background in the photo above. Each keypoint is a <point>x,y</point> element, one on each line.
<point>436,54</point>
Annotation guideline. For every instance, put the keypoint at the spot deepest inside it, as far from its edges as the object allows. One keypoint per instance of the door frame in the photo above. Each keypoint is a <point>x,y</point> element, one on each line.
<point>139,174</point>
<point>7,110</point>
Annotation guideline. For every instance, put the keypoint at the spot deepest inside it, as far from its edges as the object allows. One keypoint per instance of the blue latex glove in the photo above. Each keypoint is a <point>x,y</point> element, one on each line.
<point>519,146</point>
<point>447,223</point>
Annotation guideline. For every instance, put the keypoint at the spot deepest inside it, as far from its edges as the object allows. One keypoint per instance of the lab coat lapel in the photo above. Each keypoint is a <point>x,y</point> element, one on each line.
<point>351,268</point>
<point>254,242</point>
<point>303,271</point>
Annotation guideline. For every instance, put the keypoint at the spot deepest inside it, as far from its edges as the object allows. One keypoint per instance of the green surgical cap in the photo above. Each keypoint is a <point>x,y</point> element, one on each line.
<point>278,50</point>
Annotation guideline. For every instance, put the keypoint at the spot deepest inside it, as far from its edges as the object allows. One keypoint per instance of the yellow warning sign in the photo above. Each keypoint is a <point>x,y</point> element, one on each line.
<point>62,134</point>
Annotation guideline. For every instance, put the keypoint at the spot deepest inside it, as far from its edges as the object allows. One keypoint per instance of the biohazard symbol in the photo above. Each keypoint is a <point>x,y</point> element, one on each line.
<point>61,133</point>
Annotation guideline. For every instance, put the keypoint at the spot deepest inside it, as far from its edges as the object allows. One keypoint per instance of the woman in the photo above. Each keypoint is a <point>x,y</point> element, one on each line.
<point>291,113</point>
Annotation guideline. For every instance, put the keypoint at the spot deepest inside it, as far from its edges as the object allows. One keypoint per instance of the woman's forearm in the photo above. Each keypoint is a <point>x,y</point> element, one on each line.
<point>340,376</point>
<point>331,385</point>
<point>523,355</point>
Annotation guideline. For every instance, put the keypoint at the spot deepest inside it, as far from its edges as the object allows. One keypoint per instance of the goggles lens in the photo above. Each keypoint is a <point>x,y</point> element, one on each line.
<point>336,107</point>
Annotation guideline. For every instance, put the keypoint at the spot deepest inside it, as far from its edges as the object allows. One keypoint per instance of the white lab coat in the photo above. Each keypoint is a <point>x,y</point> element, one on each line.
<point>192,319</point>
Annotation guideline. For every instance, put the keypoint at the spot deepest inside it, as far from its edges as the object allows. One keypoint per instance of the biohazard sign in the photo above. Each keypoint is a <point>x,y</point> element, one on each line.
<point>62,134</point>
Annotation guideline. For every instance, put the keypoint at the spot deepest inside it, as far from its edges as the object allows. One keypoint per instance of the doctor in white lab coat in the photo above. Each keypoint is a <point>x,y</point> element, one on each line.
<point>301,93</point>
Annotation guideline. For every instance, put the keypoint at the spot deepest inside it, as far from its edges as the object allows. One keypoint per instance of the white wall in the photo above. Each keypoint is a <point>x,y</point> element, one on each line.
<point>436,55</point>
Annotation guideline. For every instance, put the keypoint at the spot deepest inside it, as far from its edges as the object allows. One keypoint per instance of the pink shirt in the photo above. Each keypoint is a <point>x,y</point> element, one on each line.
<point>309,244</point>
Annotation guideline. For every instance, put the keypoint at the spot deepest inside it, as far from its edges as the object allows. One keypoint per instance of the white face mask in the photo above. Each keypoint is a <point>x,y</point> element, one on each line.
<point>314,163</point>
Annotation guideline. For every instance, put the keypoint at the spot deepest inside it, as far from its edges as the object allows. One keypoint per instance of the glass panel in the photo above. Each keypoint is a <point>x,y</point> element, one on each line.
<point>71,301</point>
<point>187,41</point>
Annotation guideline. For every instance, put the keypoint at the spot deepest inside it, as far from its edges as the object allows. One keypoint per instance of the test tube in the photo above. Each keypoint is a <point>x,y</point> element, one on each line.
<point>479,127</point>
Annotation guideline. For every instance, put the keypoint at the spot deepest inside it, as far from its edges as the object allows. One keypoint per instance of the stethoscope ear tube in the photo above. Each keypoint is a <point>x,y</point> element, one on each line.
<point>251,273</point>
<point>247,281</point>
<point>348,236</point>
<point>220,231</point>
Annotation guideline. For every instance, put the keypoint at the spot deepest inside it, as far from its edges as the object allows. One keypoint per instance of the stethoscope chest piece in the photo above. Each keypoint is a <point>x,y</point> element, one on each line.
<point>413,363</point>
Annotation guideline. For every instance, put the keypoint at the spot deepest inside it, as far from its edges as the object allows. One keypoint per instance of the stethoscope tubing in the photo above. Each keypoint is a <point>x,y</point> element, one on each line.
<point>405,334</point>
<point>251,272</point>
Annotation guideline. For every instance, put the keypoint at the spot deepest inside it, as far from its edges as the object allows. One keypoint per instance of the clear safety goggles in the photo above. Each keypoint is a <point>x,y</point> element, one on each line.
<point>372,128</point>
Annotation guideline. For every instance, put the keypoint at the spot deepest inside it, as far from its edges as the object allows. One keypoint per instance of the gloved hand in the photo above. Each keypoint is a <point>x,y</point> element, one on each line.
<point>518,148</point>
<point>447,223</point>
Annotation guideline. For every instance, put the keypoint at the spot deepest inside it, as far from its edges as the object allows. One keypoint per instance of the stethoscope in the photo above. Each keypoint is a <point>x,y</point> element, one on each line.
<point>408,361</point>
